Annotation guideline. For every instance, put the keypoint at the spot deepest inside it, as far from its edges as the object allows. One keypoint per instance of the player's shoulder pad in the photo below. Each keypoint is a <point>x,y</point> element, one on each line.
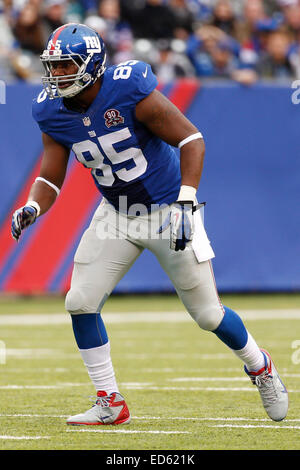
<point>134,80</point>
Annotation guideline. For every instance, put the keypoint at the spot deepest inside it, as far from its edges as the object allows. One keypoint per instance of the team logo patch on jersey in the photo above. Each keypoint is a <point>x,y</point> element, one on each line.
<point>113,117</point>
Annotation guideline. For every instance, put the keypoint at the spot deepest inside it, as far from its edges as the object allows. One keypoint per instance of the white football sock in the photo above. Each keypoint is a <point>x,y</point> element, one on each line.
<point>251,355</point>
<point>100,369</point>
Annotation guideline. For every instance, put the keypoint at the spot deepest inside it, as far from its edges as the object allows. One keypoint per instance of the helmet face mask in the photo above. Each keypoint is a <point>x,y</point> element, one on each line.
<point>80,45</point>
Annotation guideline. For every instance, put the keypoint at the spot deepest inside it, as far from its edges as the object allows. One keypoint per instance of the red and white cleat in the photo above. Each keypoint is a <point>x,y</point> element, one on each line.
<point>108,409</point>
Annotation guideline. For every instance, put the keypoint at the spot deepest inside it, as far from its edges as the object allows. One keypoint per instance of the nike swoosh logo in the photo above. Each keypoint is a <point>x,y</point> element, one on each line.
<point>145,73</point>
<point>103,418</point>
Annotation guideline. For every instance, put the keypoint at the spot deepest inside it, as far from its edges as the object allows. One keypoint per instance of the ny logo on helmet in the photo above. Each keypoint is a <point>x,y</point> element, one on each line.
<point>92,43</point>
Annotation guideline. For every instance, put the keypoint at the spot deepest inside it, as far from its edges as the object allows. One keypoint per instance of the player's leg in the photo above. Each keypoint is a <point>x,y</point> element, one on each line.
<point>99,264</point>
<point>195,285</point>
<point>232,332</point>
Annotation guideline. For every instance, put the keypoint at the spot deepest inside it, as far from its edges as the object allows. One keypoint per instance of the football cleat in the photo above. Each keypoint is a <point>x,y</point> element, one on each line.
<point>272,391</point>
<point>108,409</point>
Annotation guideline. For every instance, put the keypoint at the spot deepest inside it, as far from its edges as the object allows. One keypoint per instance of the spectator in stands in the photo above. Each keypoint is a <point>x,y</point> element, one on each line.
<point>199,48</point>
<point>292,18</point>
<point>183,18</point>
<point>8,51</point>
<point>294,58</point>
<point>54,15</point>
<point>154,21</point>
<point>275,62</point>
<point>117,30</point>
<point>88,7</point>
<point>169,64</point>
<point>254,31</point>
<point>253,12</point>
<point>28,29</point>
<point>234,38</point>
<point>212,52</point>
<point>98,24</point>
<point>223,17</point>
<point>30,40</point>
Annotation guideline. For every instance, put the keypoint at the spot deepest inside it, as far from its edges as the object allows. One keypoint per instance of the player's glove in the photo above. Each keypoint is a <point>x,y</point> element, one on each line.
<point>181,222</point>
<point>21,219</point>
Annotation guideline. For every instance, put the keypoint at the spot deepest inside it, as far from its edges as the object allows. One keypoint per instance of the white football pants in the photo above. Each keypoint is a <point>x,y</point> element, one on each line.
<point>113,242</point>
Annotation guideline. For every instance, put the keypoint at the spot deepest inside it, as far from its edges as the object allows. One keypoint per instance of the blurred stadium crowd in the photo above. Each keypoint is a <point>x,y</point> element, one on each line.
<point>243,40</point>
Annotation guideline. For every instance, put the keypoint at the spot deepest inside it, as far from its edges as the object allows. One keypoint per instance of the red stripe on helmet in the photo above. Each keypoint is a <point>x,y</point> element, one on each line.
<point>53,42</point>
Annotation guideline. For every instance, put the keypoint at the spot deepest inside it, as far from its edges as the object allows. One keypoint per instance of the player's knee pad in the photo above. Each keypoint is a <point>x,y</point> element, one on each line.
<point>76,302</point>
<point>208,317</point>
<point>203,305</point>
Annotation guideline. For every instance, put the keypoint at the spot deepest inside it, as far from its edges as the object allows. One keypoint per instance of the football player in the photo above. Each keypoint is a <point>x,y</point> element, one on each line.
<point>120,126</point>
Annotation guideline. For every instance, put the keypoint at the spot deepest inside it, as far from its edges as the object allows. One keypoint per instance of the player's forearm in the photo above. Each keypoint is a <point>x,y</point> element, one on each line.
<point>191,162</point>
<point>43,194</point>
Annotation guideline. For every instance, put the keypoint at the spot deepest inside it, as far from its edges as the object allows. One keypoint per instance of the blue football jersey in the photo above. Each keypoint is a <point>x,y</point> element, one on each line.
<point>125,158</point>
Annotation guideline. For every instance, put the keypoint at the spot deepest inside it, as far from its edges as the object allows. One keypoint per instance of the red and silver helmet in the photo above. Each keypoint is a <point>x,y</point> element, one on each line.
<point>85,48</point>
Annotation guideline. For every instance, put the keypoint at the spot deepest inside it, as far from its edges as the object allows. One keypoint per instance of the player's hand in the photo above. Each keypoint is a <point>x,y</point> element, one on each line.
<point>21,219</point>
<point>181,223</point>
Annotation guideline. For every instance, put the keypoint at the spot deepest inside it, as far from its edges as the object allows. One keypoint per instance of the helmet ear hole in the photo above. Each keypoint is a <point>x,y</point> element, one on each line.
<point>78,60</point>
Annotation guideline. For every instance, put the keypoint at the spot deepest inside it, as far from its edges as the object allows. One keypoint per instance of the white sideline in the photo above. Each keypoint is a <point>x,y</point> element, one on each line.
<point>143,317</point>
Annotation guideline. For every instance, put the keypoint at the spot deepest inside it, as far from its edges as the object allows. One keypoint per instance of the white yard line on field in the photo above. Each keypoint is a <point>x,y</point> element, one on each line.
<point>19,438</point>
<point>136,386</point>
<point>159,418</point>
<point>22,415</point>
<point>30,352</point>
<point>221,379</point>
<point>57,354</point>
<point>202,389</point>
<point>209,379</point>
<point>126,431</point>
<point>249,426</point>
<point>143,317</point>
<point>186,369</point>
<point>43,387</point>
<point>189,418</point>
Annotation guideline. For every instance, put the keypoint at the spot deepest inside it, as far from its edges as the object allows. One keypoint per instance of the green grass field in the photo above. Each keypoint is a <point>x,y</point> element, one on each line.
<point>184,388</point>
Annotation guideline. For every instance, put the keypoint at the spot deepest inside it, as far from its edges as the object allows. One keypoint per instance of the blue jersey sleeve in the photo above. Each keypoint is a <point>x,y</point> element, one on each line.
<point>134,81</point>
<point>41,111</point>
<point>145,79</point>
<point>37,109</point>
<point>47,116</point>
